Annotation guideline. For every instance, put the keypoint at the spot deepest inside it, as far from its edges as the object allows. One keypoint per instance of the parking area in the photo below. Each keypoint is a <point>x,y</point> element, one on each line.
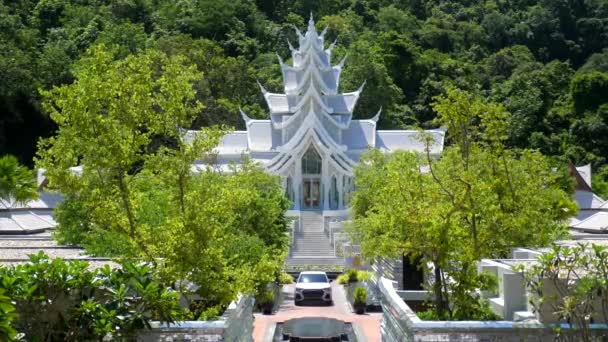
<point>368,323</point>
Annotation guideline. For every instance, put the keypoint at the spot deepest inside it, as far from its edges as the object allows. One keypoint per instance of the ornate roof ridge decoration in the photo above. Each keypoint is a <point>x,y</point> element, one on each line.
<point>311,101</point>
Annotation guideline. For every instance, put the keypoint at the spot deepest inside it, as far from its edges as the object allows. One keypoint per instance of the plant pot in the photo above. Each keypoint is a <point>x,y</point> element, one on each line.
<point>359,308</point>
<point>267,308</point>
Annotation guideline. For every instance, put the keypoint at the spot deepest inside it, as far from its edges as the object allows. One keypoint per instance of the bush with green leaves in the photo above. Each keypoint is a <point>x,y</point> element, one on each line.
<point>569,284</point>
<point>286,278</point>
<point>483,312</point>
<point>360,295</point>
<point>7,315</point>
<point>59,300</point>
<point>352,275</point>
<point>265,296</point>
<point>343,279</point>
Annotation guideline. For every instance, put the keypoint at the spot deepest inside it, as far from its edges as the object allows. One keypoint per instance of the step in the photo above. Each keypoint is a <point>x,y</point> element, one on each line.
<point>315,261</point>
<point>327,253</point>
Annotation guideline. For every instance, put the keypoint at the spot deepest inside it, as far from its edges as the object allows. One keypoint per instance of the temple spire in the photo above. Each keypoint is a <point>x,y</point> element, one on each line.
<point>311,24</point>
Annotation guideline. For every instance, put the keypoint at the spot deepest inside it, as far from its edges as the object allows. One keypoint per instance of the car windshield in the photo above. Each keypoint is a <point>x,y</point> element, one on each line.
<point>312,278</point>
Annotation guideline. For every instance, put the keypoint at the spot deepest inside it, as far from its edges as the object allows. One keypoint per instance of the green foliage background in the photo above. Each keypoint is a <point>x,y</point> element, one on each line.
<point>544,60</point>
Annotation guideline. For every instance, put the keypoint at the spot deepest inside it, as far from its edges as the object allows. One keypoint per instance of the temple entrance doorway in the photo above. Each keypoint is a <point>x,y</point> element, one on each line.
<point>312,193</point>
<point>311,180</point>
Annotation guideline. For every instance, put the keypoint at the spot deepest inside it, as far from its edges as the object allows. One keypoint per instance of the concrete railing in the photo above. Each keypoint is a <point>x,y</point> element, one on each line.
<point>400,323</point>
<point>235,325</point>
<point>415,295</point>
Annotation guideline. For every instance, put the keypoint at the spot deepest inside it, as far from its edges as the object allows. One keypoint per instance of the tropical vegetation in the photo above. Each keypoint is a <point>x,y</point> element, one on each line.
<point>59,300</point>
<point>477,201</point>
<point>124,164</point>
<point>569,284</point>
<point>17,182</point>
<point>545,61</point>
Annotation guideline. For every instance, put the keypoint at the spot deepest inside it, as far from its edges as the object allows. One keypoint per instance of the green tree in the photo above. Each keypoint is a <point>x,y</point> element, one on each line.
<point>135,192</point>
<point>107,121</point>
<point>17,183</point>
<point>467,205</point>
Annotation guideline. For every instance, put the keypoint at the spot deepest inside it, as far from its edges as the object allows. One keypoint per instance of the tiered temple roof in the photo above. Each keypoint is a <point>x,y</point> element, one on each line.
<point>313,111</point>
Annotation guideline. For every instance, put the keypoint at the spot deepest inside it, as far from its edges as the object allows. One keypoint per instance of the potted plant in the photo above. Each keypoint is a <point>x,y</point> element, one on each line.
<point>266,301</point>
<point>360,302</point>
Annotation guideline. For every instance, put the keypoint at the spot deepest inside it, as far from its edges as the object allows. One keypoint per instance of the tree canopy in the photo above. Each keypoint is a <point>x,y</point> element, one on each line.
<point>134,192</point>
<point>17,182</point>
<point>534,57</point>
<point>477,201</point>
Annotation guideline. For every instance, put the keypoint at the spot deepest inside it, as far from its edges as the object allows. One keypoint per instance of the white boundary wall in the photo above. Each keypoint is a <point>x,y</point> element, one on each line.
<point>400,324</point>
<point>235,325</point>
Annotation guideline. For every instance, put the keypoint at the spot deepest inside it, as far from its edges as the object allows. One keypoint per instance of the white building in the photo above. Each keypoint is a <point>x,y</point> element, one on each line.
<point>311,140</point>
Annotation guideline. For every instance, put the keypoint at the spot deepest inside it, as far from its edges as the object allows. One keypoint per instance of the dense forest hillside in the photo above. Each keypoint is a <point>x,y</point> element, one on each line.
<point>545,60</point>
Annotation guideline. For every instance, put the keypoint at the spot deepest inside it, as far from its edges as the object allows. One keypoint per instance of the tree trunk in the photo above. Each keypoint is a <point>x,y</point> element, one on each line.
<point>438,289</point>
<point>124,194</point>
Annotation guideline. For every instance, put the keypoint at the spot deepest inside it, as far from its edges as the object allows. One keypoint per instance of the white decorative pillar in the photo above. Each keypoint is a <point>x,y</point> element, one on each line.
<point>340,188</point>
<point>325,180</point>
<point>297,183</point>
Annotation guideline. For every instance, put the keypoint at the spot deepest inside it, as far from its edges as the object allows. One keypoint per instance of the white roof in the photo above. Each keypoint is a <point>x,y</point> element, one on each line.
<point>588,200</point>
<point>26,222</point>
<point>390,141</point>
<point>585,172</point>
<point>233,143</point>
<point>360,134</point>
<point>597,222</point>
<point>46,200</point>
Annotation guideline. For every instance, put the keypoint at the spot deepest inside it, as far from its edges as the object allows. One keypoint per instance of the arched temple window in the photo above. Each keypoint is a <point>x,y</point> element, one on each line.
<point>311,162</point>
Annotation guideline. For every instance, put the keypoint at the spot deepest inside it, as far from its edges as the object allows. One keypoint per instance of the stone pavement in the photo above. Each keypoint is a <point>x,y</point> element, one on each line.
<point>368,323</point>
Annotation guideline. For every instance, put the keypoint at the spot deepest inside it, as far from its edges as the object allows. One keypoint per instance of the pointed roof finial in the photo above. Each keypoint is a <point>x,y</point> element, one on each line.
<point>298,31</point>
<point>362,86</point>
<point>244,116</point>
<point>322,35</point>
<point>264,91</point>
<point>333,44</point>
<point>341,64</point>
<point>280,59</point>
<point>377,116</point>
<point>311,24</point>
<point>291,48</point>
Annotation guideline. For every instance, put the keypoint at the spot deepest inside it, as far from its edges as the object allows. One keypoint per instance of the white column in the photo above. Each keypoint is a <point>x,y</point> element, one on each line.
<point>340,186</point>
<point>297,183</point>
<point>325,180</point>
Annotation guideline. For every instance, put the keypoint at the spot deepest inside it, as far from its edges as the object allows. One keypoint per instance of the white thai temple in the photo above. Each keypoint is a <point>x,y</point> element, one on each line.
<point>311,140</point>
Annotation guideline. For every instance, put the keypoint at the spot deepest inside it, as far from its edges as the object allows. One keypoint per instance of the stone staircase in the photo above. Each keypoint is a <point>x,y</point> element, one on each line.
<point>311,246</point>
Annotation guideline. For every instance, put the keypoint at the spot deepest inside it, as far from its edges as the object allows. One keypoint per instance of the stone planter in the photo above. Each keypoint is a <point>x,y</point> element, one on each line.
<point>359,308</point>
<point>267,308</point>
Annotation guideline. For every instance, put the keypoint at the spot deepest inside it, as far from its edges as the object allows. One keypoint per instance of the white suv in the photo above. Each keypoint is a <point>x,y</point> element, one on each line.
<point>313,286</point>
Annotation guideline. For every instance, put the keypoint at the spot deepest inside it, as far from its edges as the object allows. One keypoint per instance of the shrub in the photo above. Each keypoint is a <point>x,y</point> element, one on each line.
<point>352,275</point>
<point>266,296</point>
<point>360,295</point>
<point>343,279</point>
<point>285,278</point>
<point>7,315</point>
<point>364,276</point>
<point>62,300</point>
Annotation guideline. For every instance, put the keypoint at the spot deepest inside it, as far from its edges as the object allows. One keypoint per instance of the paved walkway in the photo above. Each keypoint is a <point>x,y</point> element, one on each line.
<point>368,323</point>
